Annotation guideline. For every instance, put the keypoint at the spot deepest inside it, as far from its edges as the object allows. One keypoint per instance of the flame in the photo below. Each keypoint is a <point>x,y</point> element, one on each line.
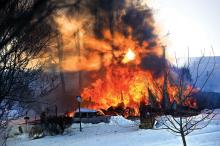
<point>122,80</point>
<point>130,85</point>
<point>122,84</point>
<point>115,57</point>
<point>129,56</point>
<point>69,114</point>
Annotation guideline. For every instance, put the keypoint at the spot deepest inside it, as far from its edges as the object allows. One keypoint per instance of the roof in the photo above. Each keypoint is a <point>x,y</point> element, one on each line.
<point>85,110</point>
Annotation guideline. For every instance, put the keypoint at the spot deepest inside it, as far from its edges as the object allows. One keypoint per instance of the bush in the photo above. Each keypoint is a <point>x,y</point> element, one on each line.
<point>54,125</point>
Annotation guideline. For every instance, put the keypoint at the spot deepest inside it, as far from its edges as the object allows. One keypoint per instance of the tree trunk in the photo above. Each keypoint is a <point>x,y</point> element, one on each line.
<point>183,139</point>
<point>182,132</point>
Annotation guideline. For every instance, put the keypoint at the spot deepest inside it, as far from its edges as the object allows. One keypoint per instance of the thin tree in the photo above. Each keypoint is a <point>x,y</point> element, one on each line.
<point>183,118</point>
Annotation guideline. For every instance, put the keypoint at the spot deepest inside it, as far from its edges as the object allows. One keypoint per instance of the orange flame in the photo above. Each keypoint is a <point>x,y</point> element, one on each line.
<point>130,86</point>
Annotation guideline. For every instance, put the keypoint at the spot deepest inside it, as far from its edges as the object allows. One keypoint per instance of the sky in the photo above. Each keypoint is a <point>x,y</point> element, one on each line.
<point>193,24</point>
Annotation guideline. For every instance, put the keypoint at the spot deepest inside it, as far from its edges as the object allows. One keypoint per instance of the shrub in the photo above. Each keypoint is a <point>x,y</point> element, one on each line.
<point>55,125</point>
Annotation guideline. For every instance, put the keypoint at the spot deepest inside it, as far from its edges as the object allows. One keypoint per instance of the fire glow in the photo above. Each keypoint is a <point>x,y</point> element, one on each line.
<point>121,53</point>
<point>129,56</point>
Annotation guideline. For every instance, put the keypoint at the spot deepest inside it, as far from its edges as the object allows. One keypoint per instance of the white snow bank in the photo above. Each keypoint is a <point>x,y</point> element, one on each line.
<point>121,121</point>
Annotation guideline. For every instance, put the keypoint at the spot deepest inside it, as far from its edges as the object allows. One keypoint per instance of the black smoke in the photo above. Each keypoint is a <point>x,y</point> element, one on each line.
<point>138,21</point>
<point>154,64</point>
<point>120,16</point>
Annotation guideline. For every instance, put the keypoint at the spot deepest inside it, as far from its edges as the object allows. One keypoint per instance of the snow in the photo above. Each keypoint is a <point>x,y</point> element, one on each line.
<point>122,132</point>
<point>121,121</point>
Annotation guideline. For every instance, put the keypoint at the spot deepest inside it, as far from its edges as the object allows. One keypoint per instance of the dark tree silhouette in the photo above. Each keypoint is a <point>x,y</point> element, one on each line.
<point>25,31</point>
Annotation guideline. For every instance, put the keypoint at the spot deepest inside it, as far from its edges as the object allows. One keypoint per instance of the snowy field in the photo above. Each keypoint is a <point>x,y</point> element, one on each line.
<point>122,132</point>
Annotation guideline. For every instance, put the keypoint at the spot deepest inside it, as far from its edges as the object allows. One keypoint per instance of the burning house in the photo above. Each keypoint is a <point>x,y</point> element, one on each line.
<point>115,59</point>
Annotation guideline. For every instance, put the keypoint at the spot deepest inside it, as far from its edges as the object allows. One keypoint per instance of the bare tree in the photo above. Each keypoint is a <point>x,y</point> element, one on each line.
<point>24,32</point>
<point>184,117</point>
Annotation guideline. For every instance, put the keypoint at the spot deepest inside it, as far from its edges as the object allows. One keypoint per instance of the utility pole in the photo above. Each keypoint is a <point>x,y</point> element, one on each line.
<point>78,46</point>
<point>165,100</point>
<point>61,57</point>
<point>79,99</point>
<point>56,110</point>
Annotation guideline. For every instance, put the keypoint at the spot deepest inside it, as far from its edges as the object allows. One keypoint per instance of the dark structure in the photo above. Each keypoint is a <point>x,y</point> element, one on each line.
<point>147,117</point>
<point>165,101</point>
<point>148,112</point>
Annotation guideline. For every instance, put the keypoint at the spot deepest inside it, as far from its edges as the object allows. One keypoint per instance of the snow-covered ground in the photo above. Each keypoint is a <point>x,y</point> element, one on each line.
<point>122,132</point>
